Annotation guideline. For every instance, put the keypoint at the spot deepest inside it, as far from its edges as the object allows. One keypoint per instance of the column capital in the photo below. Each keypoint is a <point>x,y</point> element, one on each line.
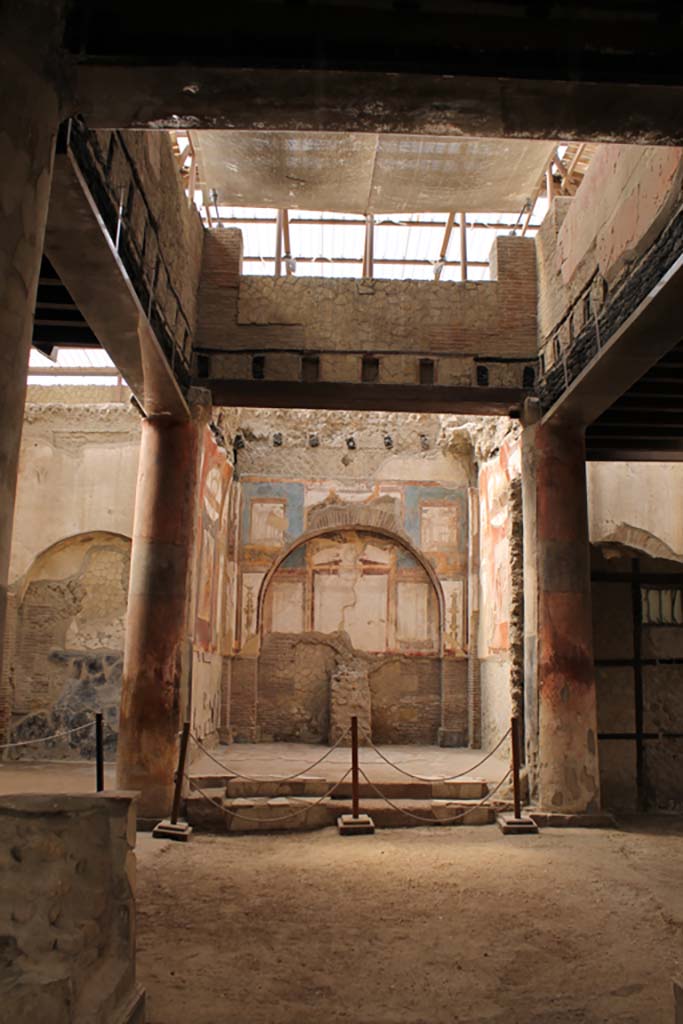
<point>200,402</point>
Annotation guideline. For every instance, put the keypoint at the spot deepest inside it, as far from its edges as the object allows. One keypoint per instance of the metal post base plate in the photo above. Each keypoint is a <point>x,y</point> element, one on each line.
<point>511,826</point>
<point>180,831</point>
<point>363,825</point>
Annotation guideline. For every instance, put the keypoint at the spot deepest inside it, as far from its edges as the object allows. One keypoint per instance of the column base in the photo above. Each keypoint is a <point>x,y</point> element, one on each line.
<point>363,825</point>
<point>180,831</point>
<point>511,826</point>
<point>557,819</point>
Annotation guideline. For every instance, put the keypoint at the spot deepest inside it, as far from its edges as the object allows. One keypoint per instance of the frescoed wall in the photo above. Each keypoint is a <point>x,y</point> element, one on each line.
<point>213,599</point>
<point>384,563</point>
<point>500,623</point>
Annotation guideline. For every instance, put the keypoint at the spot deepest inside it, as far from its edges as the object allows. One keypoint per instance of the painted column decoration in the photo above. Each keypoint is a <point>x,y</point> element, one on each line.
<point>560,681</point>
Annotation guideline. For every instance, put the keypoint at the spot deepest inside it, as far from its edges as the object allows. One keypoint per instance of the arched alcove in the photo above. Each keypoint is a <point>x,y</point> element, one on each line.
<point>363,529</point>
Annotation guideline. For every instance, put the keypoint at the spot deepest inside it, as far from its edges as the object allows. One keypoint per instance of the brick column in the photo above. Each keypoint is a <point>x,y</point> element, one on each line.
<point>560,700</point>
<point>152,700</point>
<point>27,134</point>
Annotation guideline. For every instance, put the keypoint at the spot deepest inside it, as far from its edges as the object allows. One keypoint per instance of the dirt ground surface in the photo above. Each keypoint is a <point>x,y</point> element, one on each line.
<point>415,926</point>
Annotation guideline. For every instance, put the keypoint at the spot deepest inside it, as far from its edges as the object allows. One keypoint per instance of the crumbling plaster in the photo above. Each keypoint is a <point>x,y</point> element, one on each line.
<point>77,474</point>
<point>637,505</point>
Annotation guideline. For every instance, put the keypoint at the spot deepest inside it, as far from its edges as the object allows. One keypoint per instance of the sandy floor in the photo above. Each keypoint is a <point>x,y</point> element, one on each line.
<point>420,926</point>
<point>52,777</point>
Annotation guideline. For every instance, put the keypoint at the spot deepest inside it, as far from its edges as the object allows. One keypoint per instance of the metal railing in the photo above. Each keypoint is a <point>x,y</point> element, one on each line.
<point>134,231</point>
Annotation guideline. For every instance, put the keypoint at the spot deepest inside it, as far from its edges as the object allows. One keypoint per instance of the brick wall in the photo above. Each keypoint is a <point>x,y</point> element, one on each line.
<point>406,699</point>
<point>341,319</point>
<point>243,691</point>
<point>455,701</point>
<point>294,691</point>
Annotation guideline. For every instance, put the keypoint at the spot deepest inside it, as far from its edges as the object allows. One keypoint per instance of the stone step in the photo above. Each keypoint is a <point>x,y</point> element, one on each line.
<point>262,814</point>
<point>439,811</point>
<point>412,789</point>
<point>313,786</point>
<point>305,785</point>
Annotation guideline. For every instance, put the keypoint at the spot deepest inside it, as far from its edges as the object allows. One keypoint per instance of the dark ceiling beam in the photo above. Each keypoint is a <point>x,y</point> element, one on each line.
<point>573,41</point>
<point>643,436</point>
<point>634,454</point>
<point>51,335</point>
<point>380,397</point>
<point>143,94</point>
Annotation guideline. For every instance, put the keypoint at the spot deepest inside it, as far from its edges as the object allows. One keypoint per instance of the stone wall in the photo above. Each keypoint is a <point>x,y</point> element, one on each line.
<point>65,660</point>
<point>340,321</point>
<point>80,462</point>
<point>69,569</point>
<point>68,910</point>
<point>292,693</point>
<point>588,246</point>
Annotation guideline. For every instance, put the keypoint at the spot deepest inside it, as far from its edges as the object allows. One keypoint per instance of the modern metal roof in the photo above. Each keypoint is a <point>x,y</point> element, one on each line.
<point>353,172</point>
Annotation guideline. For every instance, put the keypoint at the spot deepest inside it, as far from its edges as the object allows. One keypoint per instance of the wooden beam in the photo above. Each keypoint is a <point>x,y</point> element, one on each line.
<point>368,253</point>
<point>360,223</point>
<point>575,159</point>
<point>444,246</point>
<point>286,242</point>
<point>278,245</point>
<point>358,259</point>
<point>463,246</point>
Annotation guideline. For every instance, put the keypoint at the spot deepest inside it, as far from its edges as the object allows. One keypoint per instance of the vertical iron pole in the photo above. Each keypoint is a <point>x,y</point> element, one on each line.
<point>180,774</point>
<point>99,752</point>
<point>515,767</point>
<point>354,764</point>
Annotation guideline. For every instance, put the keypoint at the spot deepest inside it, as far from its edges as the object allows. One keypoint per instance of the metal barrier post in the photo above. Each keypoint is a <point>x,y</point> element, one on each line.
<point>172,828</point>
<point>180,774</point>
<point>355,784</point>
<point>515,767</point>
<point>99,752</point>
<point>516,824</point>
<point>355,823</point>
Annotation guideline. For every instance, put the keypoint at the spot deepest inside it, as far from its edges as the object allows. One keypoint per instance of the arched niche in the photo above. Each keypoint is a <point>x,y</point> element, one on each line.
<point>365,552</point>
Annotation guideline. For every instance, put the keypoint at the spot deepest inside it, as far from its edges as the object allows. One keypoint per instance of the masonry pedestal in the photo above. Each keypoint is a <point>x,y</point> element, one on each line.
<point>560,702</point>
<point>152,698</point>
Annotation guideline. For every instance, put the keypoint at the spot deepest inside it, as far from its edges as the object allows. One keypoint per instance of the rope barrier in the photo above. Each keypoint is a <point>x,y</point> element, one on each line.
<point>435,820</point>
<point>271,778</point>
<point>260,821</point>
<point>447,778</point>
<point>46,739</point>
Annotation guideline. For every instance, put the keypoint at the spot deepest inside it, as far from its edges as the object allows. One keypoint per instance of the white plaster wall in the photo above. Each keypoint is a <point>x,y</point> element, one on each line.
<point>496,705</point>
<point>77,473</point>
<point>637,504</point>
